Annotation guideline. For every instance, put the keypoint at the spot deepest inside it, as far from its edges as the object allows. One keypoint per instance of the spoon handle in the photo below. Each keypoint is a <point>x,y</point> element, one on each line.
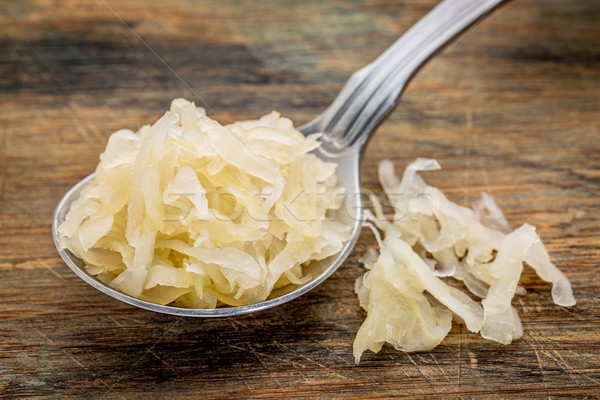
<point>374,90</point>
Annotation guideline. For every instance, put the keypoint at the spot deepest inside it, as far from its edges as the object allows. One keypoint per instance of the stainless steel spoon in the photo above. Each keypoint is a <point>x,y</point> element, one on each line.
<point>364,102</point>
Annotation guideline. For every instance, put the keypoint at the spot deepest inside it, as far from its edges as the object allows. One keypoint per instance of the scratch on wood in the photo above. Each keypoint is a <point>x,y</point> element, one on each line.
<point>114,320</point>
<point>110,388</point>
<point>440,370</point>
<point>532,344</point>
<point>279,359</point>
<point>325,368</point>
<point>459,355</point>
<point>299,370</point>
<point>235,328</point>
<point>162,61</point>
<point>83,128</point>
<point>561,367</point>
<point>44,264</point>
<point>406,374</point>
<point>423,375</point>
<point>571,373</point>
<point>3,147</point>
<point>331,352</point>
<point>248,388</point>
<point>41,334</point>
<point>235,321</point>
<point>163,362</point>
<point>28,264</point>
<point>268,371</point>
<point>554,343</point>
<point>237,347</point>
<point>55,345</point>
<point>573,370</point>
<point>569,370</point>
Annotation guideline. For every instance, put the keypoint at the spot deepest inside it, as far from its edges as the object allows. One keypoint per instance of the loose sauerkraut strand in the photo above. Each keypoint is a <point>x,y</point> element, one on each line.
<point>408,304</point>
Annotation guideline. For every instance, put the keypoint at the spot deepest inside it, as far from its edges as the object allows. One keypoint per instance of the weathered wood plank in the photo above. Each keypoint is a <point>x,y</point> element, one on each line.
<point>513,108</point>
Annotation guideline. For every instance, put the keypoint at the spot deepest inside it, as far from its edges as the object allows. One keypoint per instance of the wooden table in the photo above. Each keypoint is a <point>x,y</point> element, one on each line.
<point>513,108</point>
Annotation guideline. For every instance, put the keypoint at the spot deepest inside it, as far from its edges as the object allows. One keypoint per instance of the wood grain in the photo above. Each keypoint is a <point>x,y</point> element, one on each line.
<point>513,108</point>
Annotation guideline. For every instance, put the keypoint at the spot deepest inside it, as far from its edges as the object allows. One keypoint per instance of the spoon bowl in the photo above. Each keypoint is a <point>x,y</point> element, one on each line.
<point>349,213</point>
<point>364,102</point>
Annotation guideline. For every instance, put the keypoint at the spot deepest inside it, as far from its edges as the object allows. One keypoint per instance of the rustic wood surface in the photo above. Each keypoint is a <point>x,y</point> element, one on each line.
<point>513,108</point>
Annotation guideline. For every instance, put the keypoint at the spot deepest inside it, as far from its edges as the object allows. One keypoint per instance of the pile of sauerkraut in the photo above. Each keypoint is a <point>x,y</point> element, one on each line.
<point>408,303</point>
<point>197,214</point>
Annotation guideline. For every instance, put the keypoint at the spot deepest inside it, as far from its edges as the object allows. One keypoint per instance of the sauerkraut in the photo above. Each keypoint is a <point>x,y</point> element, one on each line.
<point>408,303</point>
<point>195,214</point>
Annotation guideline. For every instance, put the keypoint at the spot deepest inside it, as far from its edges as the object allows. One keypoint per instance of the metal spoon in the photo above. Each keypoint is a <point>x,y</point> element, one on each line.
<point>364,102</point>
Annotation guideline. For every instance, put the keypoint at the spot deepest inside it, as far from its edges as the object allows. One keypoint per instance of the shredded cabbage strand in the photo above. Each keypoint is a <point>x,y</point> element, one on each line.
<point>408,304</point>
<point>197,214</point>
